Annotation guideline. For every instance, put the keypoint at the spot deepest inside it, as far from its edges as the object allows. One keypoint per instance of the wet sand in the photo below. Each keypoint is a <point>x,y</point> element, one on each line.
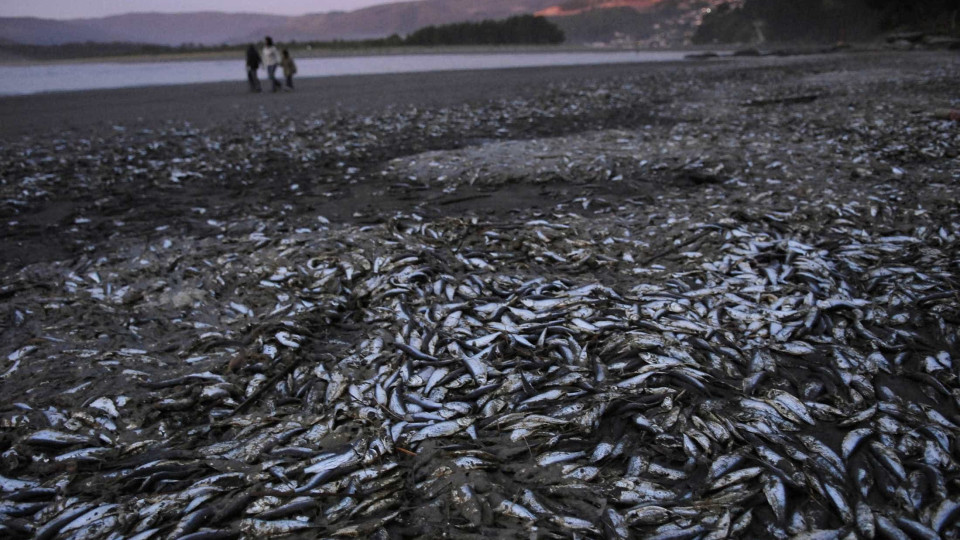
<point>140,116</point>
<point>206,105</point>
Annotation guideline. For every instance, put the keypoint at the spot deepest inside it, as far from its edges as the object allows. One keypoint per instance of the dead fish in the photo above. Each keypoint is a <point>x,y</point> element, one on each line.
<point>282,527</point>
<point>56,439</point>
<point>441,429</point>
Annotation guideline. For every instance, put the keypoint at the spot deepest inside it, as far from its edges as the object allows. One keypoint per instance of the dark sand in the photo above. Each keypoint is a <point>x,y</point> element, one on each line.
<point>373,116</point>
<point>118,115</point>
<point>135,249</point>
<point>205,105</point>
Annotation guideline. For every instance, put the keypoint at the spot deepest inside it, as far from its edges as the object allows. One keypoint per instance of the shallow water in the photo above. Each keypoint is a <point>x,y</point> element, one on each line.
<point>19,80</point>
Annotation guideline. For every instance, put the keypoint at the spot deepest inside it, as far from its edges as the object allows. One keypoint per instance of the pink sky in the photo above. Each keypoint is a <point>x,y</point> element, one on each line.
<point>74,9</point>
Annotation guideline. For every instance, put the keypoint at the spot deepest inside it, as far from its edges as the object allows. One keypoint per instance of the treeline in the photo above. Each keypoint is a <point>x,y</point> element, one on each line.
<point>92,49</point>
<point>520,30</point>
<point>930,15</point>
<point>86,50</point>
<point>824,20</point>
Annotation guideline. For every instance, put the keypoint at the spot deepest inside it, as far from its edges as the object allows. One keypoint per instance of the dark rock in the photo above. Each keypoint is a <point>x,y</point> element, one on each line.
<point>702,177</point>
<point>910,37</point>
<point>941,42</point>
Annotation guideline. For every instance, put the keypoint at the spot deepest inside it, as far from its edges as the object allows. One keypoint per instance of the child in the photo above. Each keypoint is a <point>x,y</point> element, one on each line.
<point>289,68</point>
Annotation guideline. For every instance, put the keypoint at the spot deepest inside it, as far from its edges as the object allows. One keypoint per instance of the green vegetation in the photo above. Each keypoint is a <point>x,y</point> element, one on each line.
<point>520,30</point>
<point>600,24</point>
<point>932,15</point>
<point>824,20</point>
<point>86,50</point>
<point>794,21</point>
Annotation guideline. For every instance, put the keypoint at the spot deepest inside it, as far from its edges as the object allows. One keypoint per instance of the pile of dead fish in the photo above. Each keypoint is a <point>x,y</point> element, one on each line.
<point>776,388</point>
<point>761,358</point>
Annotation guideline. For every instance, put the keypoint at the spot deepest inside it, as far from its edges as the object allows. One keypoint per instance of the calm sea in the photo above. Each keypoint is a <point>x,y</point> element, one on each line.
<point>18,80</point>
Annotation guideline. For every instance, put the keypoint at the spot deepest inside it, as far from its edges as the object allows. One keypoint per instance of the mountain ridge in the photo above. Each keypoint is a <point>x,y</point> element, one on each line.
<point>578,7</point>
<point>215,28</point>
<point>651,23</point>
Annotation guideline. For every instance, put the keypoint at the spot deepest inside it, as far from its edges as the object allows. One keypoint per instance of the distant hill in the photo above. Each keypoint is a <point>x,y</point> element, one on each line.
<point>401,18</point>
<point>941,16</point>
<point>650,23</point>
<point>827,21</point>
<point>578,7</point>
<point>213,28</point>
<point>7,55</point>
<point>654,23</point>
<point>760,21</point>
<point>154,28</point>
<point>602,25</point>
<point>207,28</point>
<point>35,31</point>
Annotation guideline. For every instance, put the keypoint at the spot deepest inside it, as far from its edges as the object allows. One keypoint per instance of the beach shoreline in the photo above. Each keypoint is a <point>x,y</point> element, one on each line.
<point>300,51</point>
<point>29,80</point>
<point>206,104</point>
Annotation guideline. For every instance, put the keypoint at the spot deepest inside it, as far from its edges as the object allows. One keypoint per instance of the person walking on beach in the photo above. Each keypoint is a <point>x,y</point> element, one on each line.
<point>289,68</point>
<point>253,64</point>
<point>271,58</point>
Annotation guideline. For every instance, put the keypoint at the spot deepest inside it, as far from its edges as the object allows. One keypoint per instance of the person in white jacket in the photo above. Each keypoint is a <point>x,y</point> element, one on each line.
<point>271,59</point>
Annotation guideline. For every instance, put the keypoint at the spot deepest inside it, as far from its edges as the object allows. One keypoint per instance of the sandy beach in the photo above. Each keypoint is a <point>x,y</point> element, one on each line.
<point>208,105</point>
<point>707,299</point>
